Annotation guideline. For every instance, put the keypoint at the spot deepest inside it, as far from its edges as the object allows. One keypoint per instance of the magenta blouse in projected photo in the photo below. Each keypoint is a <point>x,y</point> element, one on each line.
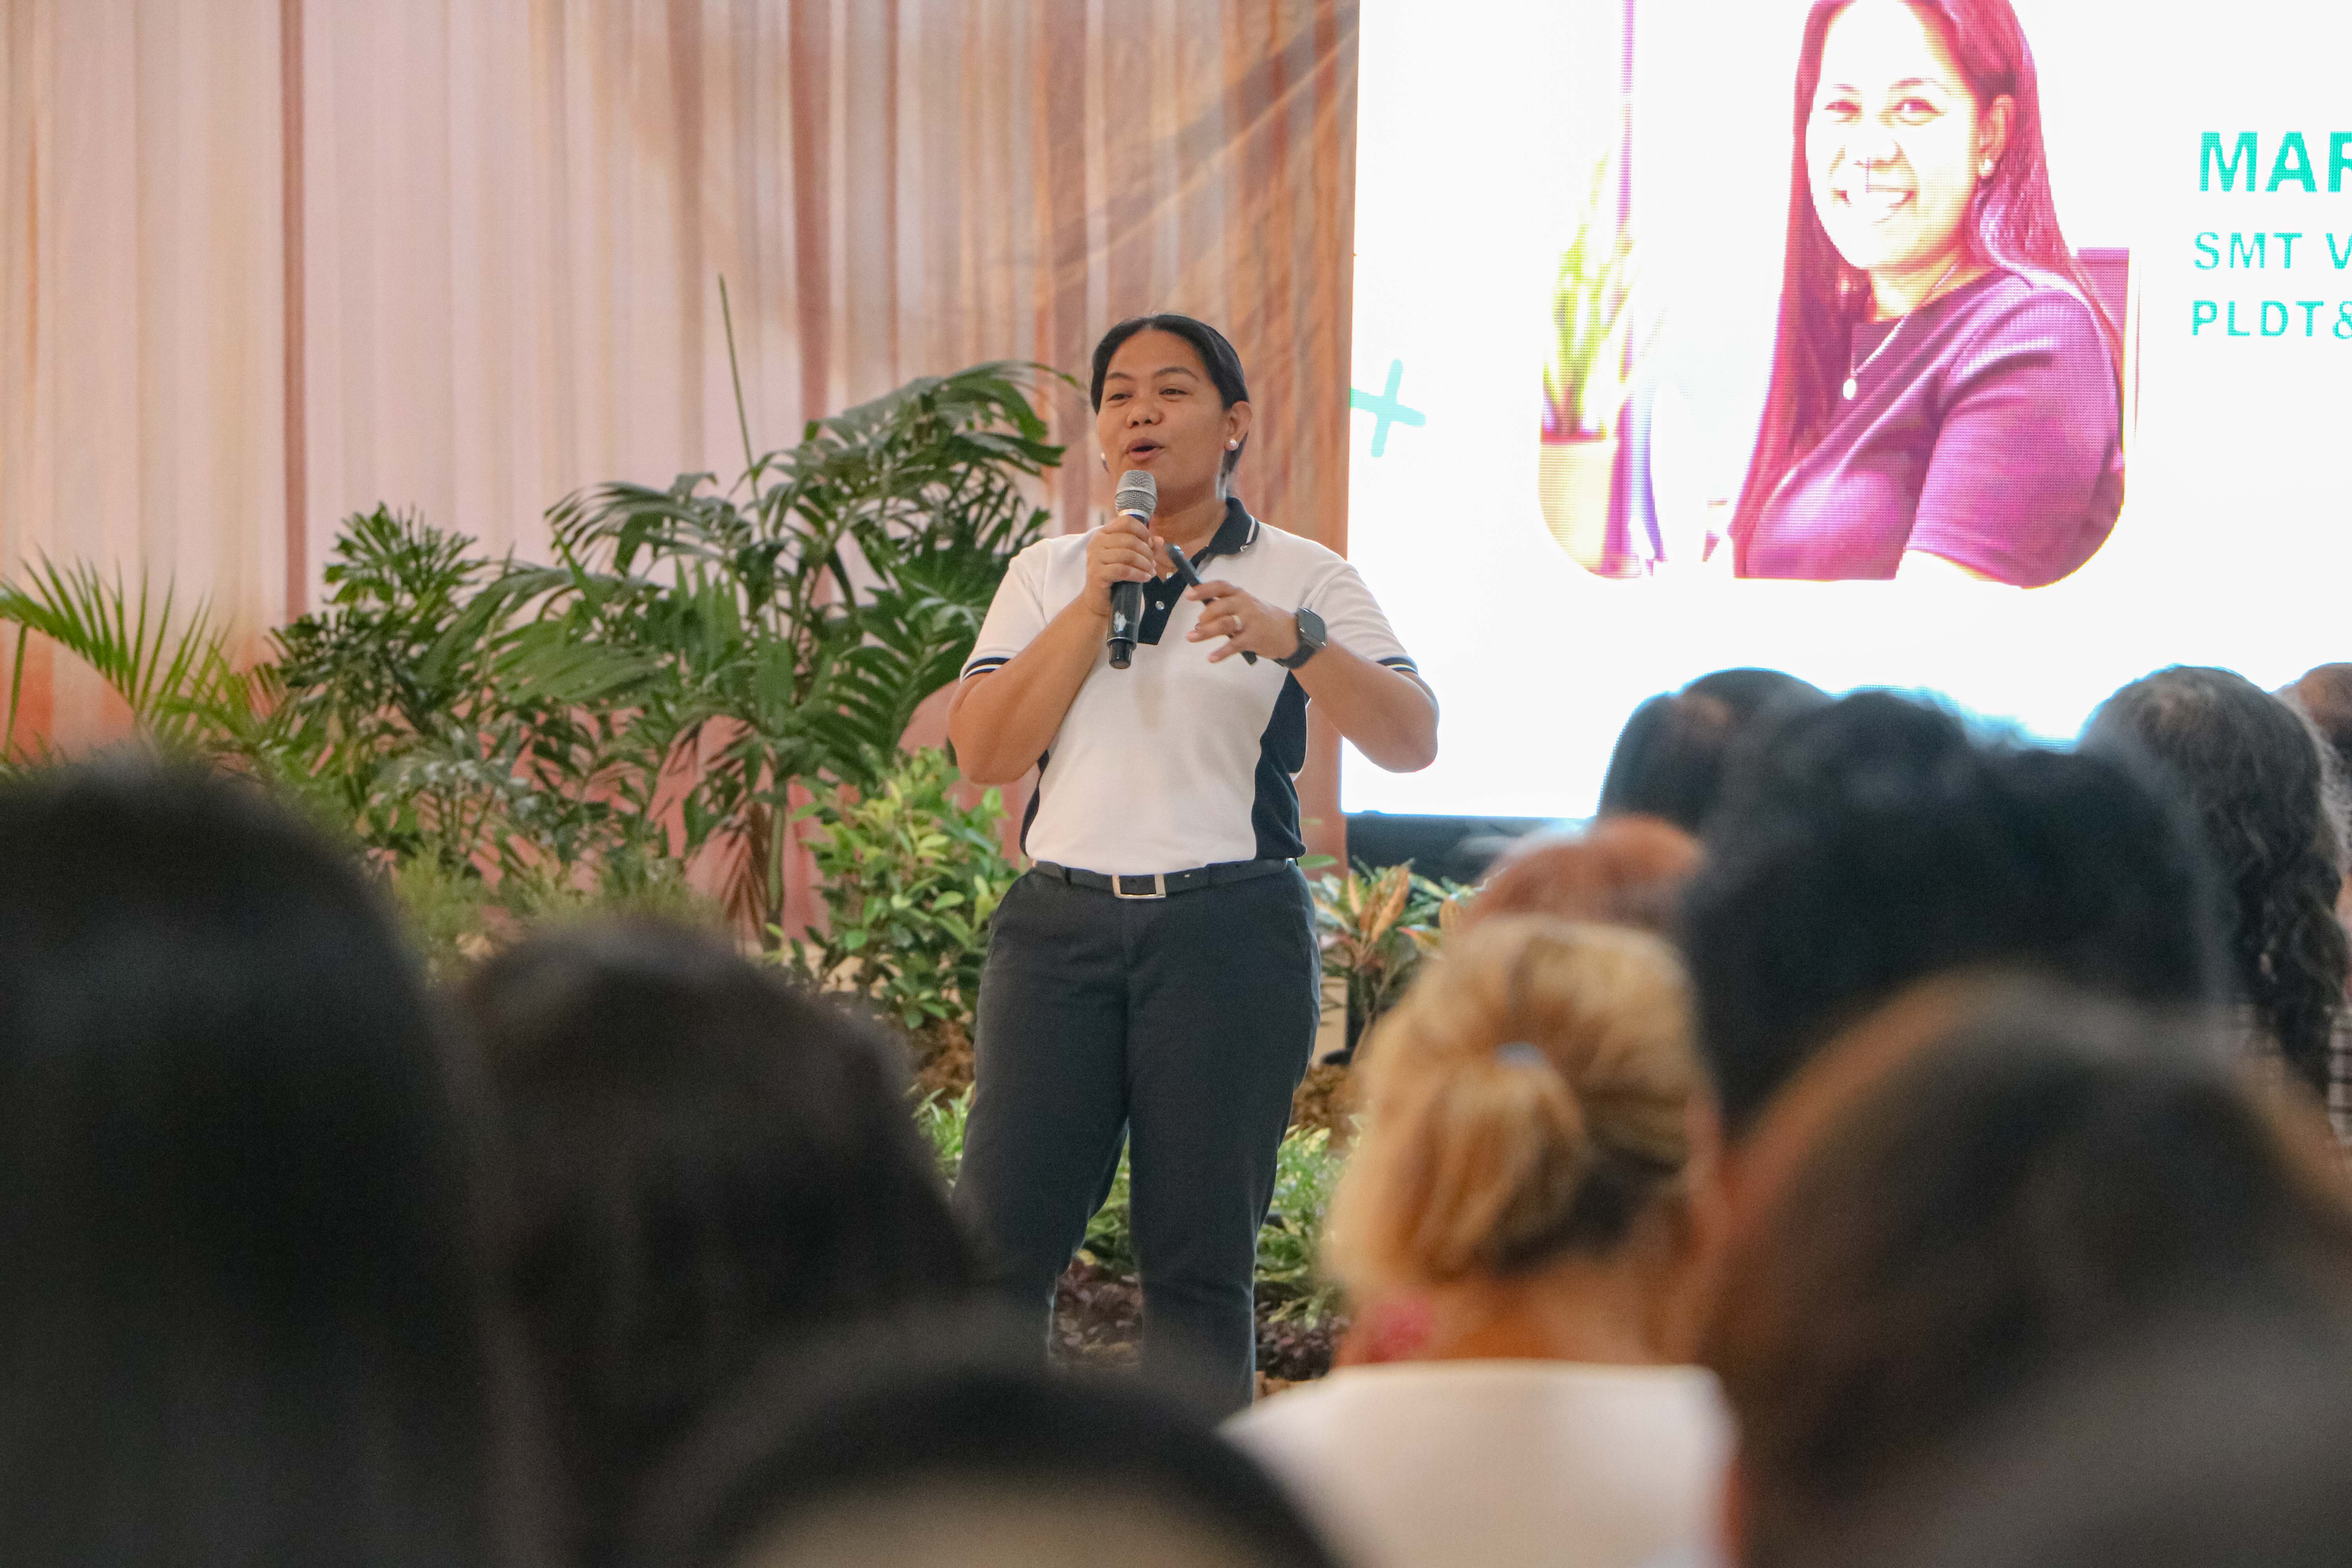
<point>1988,431</point>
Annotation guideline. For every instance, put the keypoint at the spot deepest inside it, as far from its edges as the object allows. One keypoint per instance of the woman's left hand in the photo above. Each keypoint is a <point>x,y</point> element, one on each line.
<point>1247,624</point>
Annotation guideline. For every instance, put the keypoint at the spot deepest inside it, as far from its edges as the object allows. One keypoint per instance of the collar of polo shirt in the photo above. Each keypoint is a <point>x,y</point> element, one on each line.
<point>1235,534</point>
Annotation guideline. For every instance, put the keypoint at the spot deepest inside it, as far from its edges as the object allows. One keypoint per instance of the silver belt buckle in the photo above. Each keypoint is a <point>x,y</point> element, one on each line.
<point>1158,886</point>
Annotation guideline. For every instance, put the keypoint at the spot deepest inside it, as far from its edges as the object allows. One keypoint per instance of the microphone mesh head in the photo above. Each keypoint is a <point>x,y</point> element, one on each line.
<point>1138,491</point>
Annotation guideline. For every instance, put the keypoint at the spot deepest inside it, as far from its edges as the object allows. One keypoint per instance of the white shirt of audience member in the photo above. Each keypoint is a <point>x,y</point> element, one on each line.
<point>1502,1463</point>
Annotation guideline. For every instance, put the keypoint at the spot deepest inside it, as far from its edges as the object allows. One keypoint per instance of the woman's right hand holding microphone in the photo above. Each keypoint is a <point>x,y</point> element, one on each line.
<point>1119,551</point>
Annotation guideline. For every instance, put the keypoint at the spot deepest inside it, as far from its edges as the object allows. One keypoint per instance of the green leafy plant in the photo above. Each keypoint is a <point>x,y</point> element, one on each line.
<point>395,704</point>
<point>453,917</point>
<point>685,671</point>
<point>457,918</point>
<point>1586,379</point>
<point>940,1118</point>
<point>1374,926</point>
<point>781,632</point>
<point>910,879</point>
<point>688,660</point>
<point>1111,1234</point>
<point>1291,1283</point>
<point>385,713</point>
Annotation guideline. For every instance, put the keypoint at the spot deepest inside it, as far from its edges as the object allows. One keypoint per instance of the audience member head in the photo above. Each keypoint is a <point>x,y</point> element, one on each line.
<point>2216,1439</point>
<point>2324,696</point>
<point>705,1161</point>
<point>1535,1102</point>
<point>2251,768</point>
<point>1623,871</point>
<point>1971,1191</point>
<point>991,1463</point>
<point>243,1310</point>
<point>1670,758</point>
<point>1871,843</point>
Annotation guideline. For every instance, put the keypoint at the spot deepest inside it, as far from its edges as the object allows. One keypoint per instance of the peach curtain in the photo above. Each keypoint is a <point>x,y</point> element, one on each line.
<point>142,387</point>
<point>267,262</point>
<point>515,214</point>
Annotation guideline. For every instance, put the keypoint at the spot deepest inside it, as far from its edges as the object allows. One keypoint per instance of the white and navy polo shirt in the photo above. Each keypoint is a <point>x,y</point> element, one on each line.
<point>1174,761</point>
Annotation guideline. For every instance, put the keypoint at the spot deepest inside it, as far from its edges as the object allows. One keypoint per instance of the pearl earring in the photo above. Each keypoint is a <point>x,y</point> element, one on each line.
<point>1233,445</point>
<point>1985,168</point>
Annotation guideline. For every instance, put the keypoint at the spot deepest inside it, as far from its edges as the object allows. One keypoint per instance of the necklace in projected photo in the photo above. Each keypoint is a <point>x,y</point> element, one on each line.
<point>1854,381</point>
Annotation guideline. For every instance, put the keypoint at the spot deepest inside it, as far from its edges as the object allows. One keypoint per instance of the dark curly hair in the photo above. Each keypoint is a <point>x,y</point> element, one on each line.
<point>2251,767</point>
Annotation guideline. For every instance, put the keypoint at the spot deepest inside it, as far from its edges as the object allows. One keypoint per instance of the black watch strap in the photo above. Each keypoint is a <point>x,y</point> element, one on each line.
<point>1311,638</point>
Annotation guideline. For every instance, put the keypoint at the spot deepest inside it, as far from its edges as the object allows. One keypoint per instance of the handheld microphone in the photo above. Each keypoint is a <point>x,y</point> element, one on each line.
<point>1138,497</point>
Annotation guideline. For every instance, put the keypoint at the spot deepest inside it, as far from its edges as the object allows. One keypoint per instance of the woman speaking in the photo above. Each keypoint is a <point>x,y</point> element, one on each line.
<point>1945,395</point>
<point>1154,978</point>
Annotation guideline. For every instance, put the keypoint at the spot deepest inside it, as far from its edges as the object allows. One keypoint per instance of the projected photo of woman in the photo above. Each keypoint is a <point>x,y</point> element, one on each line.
<point>1945,395</point>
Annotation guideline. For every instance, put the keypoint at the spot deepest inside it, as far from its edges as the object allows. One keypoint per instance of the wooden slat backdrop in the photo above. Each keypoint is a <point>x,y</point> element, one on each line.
<point>491,275</point>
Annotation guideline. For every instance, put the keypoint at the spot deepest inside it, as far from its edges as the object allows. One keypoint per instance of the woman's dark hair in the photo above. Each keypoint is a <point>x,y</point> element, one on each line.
<point>2027,1181</point>
<point>2012,222</point>
<point>245,1314</point>
<point>1217,357</point>
<point>901,1421</point>
<point>1670,757</point>
<point>2251,767</point>
<point>704,1160</point>
<point>1874,842</point>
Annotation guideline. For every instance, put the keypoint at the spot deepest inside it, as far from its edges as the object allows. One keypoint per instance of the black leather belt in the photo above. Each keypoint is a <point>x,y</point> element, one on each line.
<point>1160,884</point>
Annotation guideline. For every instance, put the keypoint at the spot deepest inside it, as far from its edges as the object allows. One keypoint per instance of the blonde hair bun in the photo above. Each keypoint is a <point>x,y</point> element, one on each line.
<point>1527,1098</point>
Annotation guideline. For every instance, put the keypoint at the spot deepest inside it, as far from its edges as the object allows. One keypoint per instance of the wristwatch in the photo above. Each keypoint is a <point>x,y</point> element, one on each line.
<point>1311,638</point>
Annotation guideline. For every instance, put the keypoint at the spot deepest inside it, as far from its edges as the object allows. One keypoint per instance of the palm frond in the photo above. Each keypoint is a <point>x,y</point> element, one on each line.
<point>167,666</point>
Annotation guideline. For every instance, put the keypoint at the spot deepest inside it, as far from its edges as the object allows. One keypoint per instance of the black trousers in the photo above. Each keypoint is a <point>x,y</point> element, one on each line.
<point>1179,1026</point>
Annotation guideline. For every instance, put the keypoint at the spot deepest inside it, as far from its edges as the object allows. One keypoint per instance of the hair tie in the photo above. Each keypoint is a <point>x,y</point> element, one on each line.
<point>1519,1053</point>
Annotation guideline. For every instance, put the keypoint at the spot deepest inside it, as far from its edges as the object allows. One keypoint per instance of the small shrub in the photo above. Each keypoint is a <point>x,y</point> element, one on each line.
<point>624,888</point>
<point>1291,1285</point>
<point>1374,927</point>
<point>448,913</point>
<point>1111,1234</point>
<point>909,880</point>
<point>457,918</point>
<point>940,1118</point>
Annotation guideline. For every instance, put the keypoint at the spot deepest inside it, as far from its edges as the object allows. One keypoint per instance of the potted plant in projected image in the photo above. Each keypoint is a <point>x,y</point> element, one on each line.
<point>1585,382</point>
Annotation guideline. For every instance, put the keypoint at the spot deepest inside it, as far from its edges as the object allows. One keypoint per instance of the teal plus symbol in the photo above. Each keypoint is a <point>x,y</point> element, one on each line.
<point>1384,407</point>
